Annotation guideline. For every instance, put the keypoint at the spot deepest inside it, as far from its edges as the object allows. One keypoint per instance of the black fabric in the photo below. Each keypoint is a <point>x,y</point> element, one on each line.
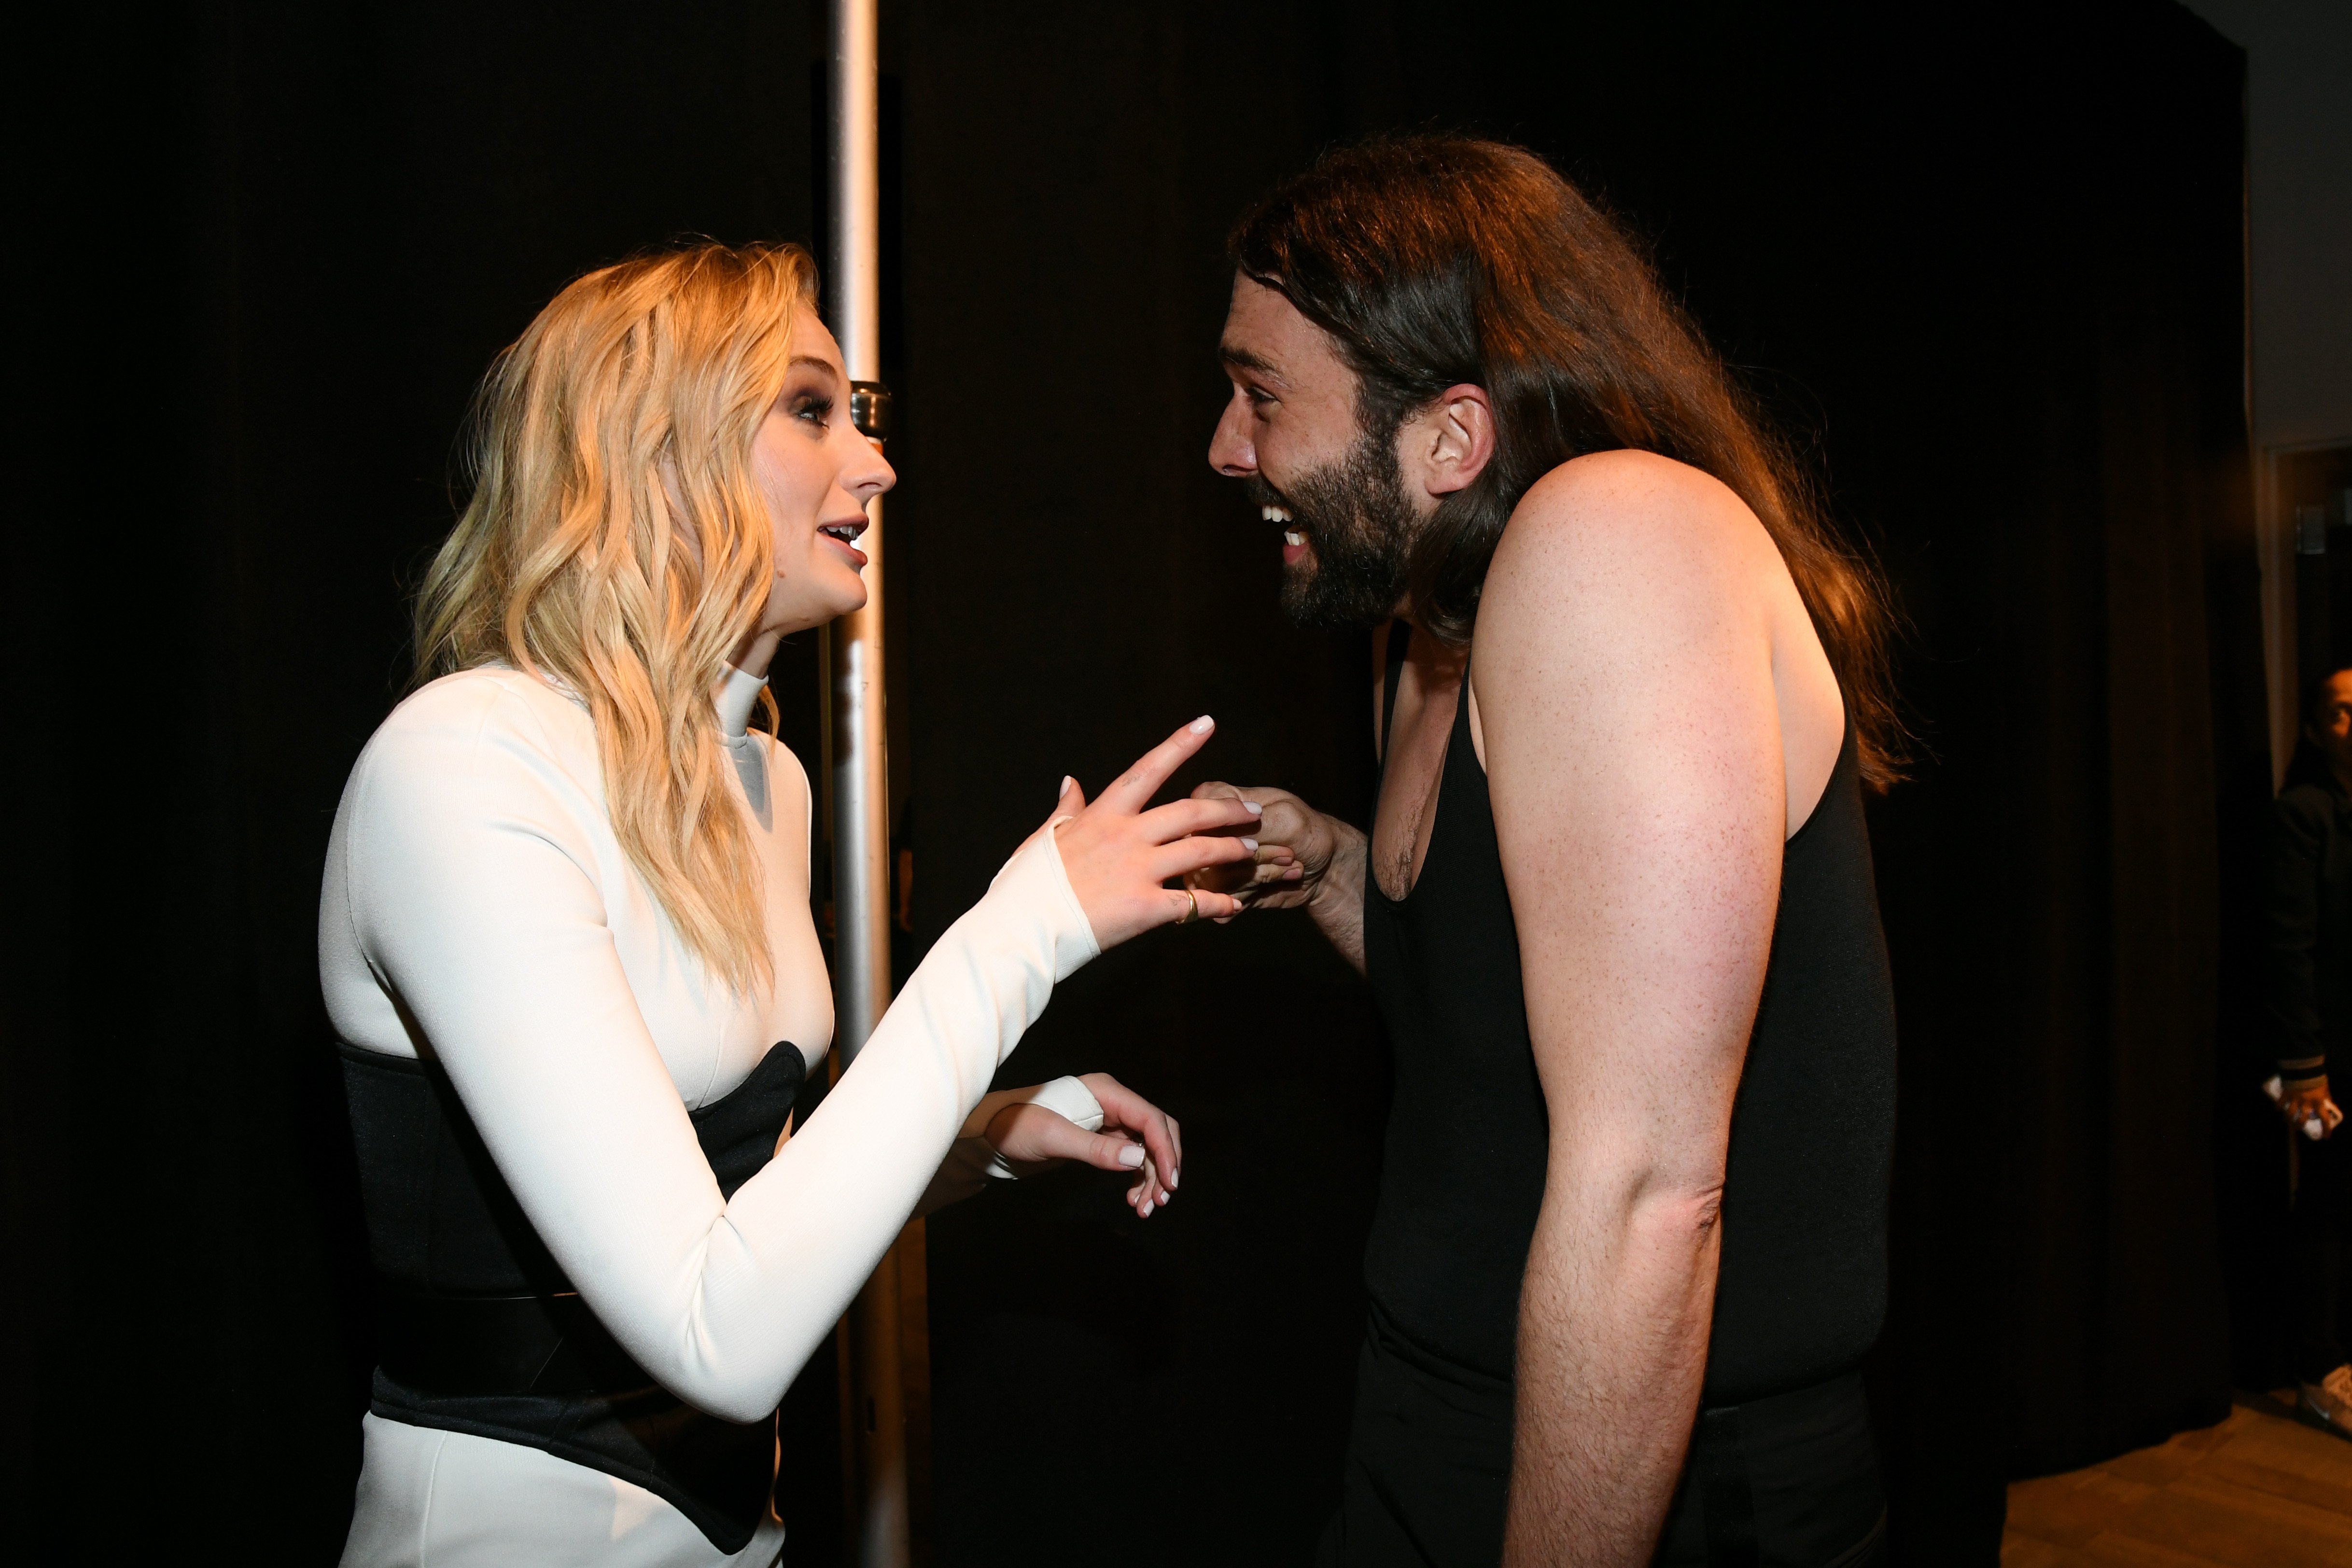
<point>2319,1233</point>
<point>1720,1478</point>
<point>480,1332</point>
<point>539,1343</point>
<point>1791,1482</point>
<point>1428,1472</point>
<point>1462,1175</point>
<point>1801,1288</point>
<point>2307,926</point>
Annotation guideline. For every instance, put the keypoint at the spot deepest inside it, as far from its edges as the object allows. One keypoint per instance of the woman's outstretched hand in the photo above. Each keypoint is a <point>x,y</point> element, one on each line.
<point>1137,1137</point>
<point>1117,852</point>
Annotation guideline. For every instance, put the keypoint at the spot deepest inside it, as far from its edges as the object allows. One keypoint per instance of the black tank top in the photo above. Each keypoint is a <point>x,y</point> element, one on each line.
<point>1802,1286</point>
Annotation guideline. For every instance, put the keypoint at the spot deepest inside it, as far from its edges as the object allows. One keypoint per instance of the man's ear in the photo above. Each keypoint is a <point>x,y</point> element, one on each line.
<point>1446,446</point>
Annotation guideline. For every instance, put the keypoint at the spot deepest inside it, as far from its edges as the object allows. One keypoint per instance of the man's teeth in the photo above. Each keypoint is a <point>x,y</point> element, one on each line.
<point>1292,536</point>
<point>1274,513</point>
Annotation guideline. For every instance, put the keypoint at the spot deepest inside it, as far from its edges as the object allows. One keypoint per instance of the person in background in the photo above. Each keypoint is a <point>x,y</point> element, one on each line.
<point>2308,995</point>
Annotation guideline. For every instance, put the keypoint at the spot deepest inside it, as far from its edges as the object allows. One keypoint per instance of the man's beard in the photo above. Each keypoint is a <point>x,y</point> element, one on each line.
<point>1358,529</point>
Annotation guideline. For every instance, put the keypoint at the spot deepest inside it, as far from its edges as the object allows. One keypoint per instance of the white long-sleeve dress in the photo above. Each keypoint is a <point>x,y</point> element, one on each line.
<point>478,909</point>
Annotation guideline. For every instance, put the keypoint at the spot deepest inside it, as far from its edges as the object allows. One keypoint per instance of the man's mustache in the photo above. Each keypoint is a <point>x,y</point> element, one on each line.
<point>1264,494</point>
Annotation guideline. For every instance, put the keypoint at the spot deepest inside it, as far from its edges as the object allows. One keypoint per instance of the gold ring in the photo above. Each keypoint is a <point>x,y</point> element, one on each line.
<point>1191,908</point>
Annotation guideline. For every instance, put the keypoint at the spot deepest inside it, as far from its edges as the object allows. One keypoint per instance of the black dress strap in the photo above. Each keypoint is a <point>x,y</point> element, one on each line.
<point>1400,639</point>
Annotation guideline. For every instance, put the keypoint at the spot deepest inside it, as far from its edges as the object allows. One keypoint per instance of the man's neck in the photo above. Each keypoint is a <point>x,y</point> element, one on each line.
<point>1436,659</point>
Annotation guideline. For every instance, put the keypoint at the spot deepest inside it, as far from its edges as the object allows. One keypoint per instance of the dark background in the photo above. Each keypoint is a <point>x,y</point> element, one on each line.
<point>1984,261</point>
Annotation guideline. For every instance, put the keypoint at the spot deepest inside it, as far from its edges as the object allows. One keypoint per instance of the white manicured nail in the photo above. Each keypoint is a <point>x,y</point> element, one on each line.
<point>1067,783</point>
<point>1131,1156</point>
<point>1171,1181</point>
<point>1250,845</point>
<point>1201,725</point>
<point>1255,809</point>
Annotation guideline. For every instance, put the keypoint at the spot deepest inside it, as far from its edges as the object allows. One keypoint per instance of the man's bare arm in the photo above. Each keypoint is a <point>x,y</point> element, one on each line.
<point>1624,678</point>
<point>1337,901</point>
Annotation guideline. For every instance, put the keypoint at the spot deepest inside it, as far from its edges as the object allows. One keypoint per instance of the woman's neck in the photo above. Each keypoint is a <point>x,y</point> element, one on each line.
<point>755,653</point>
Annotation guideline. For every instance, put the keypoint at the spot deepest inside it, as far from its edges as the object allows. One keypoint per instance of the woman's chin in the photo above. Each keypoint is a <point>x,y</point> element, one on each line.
<point>852,595</point>
<point>823,608</point>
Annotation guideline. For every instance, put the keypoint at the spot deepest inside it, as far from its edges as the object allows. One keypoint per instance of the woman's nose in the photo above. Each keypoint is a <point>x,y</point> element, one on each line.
<point>865,472</point>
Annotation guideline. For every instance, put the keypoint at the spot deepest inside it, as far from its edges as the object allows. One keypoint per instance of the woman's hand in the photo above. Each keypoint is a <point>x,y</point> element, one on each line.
<point>2311,1103</point>
<point>1137,1136</point>
<point>1117,853</point>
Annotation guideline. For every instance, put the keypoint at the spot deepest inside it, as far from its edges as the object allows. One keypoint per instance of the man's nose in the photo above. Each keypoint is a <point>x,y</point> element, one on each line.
<point>1230,451</point>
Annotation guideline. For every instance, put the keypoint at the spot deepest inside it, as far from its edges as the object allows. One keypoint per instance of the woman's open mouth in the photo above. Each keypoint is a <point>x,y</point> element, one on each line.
<point>844,534</point>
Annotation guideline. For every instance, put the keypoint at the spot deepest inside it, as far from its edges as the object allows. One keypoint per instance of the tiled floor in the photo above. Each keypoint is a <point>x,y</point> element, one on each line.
<point>2260,1491</point>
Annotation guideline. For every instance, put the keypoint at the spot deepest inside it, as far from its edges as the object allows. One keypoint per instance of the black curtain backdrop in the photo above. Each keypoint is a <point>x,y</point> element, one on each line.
<point>1984,261</point>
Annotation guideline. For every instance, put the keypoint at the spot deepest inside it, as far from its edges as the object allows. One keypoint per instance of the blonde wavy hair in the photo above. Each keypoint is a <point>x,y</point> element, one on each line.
<point>616,541</point>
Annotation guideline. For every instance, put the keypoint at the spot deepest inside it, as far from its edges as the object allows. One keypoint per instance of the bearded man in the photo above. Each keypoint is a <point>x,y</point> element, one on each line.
<point>1616,905</point>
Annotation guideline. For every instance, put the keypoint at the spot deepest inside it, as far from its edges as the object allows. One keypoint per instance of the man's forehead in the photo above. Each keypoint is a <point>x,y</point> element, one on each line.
<point>1235,352</point>
<point>1267,335</point>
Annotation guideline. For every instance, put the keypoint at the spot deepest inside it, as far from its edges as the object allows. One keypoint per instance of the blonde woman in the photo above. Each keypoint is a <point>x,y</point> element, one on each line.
<point>565,940</point>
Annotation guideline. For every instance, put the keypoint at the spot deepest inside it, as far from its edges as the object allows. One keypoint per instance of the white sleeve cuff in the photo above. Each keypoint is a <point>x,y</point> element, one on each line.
<point>1066,1096</point>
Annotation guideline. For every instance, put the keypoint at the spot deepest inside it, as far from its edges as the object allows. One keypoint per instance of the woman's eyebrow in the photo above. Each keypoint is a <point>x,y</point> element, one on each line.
<point>815,363</point>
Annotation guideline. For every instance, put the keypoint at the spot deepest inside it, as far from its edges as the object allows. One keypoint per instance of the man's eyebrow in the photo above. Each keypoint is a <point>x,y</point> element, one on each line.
<point>1233,353</point>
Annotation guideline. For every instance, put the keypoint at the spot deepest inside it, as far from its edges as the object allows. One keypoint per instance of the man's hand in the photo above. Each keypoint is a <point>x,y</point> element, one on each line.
<point>1304,861</point>
<point>2310,1102</point>
<point>1295,843</point>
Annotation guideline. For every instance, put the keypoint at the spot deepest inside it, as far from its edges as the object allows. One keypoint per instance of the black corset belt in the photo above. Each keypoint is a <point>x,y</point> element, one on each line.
<point>478,1330</point>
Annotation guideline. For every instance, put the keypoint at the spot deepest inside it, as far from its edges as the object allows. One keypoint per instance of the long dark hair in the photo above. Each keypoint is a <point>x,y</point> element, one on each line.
<point>1437,260</point>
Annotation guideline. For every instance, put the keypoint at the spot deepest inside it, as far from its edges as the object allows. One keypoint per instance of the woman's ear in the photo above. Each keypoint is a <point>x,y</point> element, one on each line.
<point>1449,443</point>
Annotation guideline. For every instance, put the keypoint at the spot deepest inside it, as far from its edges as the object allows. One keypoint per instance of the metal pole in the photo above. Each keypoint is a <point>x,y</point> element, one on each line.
<point>861,781</point>
<point>875,1398</point>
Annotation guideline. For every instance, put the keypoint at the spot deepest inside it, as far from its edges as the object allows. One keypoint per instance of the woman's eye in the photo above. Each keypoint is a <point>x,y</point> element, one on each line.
<point>816,410</point>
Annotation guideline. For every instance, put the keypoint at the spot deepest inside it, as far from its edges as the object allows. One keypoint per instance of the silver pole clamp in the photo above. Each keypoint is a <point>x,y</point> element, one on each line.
<point>870,409</point>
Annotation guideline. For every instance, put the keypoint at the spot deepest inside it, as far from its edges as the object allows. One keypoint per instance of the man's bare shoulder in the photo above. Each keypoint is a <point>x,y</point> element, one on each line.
<point>1626,541</point>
